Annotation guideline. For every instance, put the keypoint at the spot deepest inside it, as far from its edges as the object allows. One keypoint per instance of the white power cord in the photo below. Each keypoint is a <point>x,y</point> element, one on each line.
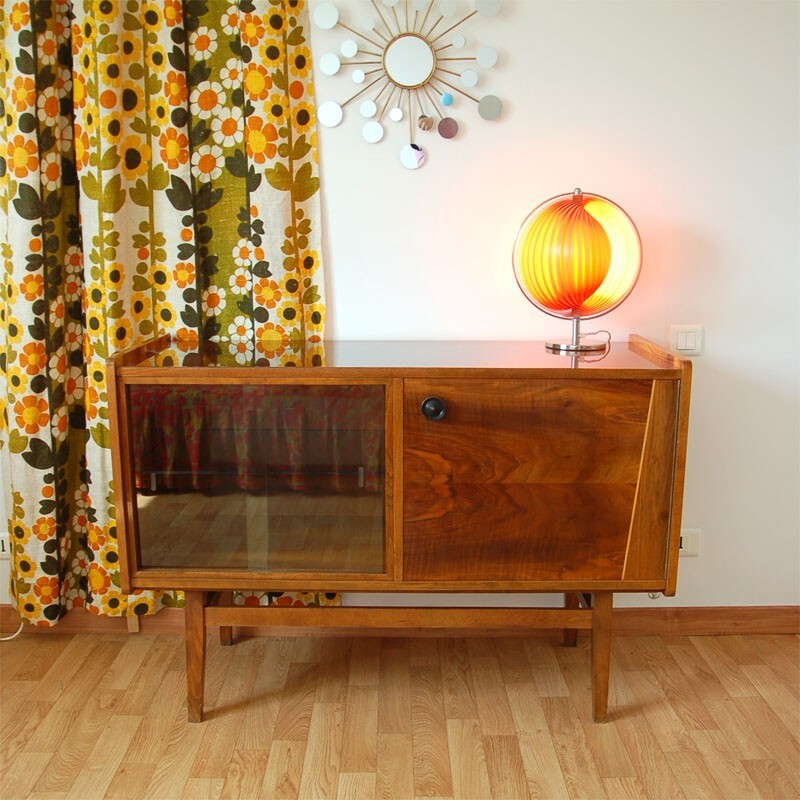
<point>606,348</point>
<point>13,635</point>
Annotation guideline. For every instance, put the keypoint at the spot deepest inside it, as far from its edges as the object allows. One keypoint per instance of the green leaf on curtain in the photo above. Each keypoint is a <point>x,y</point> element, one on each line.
<point>102,436</point>
<point>47,506</point>
<point>17,443</point>
<point>180,195</point>
<point>52,206</point>
<point>172,601</point>
<point>49,566</point>
<point>159,178</point>
<point>140,284</point>
<point>110,158</point>
<point>279,177</point>
<point>140,194</point>
<point>90,186</point>
<point>296,340</point>
<point>279,79</point>
<point>47,140</point>
<point>301,147</point>
<point>100,348</point>
<point>37,330</point>
<point>62,456</point>
<point>253,180</point>
<point>207,197</point>
<point>311,295</point>
<point>116,310</point>
<point>108,44</point>
<point>237,164</point>
<point>200,72</point>
<point>190,318</point>
<point>295,37</point>
<point>26,63</point>
<point>45,78</point>
<point>35,261</point>
<point>198,134</point>
<point>131,22</point>
<point>177,58</point>
<point>211,328</point>
<point>28,204</point>
<point>39,455</point>
<point>58,396</point>
<point>113,195</point>
<point>305,184</point>
<point>139,125</point>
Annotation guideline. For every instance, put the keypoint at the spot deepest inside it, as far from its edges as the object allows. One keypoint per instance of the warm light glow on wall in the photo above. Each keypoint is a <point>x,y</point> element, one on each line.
<point>577,256</point>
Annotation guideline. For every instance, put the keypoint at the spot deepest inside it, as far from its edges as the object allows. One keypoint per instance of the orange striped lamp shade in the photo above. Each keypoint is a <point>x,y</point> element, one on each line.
<point>577,255</point>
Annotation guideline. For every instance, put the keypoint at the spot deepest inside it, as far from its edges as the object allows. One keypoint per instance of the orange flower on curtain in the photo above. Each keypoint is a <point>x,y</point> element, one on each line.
<point>157,175</point>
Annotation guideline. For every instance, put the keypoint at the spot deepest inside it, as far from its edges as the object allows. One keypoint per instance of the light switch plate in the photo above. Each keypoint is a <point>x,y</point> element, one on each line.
<point>686,340</point>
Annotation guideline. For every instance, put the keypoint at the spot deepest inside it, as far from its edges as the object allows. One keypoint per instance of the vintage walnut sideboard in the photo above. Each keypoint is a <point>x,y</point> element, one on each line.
<point>399,467</point>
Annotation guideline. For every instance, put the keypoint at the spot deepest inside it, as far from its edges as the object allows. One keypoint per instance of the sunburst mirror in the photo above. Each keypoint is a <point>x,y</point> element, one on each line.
<point>410,65</point>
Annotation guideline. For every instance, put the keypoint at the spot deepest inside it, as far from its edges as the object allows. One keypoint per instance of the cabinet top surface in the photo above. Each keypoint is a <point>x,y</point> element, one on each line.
<point>401,356</point>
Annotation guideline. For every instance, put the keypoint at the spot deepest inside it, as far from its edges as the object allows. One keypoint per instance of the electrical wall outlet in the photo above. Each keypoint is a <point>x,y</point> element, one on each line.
<point>690,542</point>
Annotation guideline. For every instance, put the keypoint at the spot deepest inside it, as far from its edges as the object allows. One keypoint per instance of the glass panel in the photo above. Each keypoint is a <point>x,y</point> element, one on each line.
<point>278,478</point>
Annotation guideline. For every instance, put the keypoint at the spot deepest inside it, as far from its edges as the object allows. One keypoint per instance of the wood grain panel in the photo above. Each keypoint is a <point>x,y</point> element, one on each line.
<point>526,431</point>
<point>672,621</point>
<point>506,532</point>
<point>650,525</point>
<point>514,462</point>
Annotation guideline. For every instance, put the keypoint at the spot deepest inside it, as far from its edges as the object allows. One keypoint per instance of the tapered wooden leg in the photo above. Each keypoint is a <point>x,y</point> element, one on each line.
<point>226,631</point>
<point>601,652</point>
<point>195,654</point>
<point>571,601</point>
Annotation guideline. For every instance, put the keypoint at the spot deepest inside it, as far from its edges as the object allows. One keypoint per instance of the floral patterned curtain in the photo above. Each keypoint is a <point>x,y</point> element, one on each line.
<point>157,174</point>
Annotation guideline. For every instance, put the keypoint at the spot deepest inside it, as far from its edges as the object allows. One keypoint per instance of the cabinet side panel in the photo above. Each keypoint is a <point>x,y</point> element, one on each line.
<point>646,556</point>
<point>521,479</point>
<point>122,474</point>
<point>684,394</point>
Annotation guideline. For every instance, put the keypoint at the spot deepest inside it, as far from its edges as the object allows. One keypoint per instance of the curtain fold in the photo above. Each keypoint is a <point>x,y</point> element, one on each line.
<point>158,174</point>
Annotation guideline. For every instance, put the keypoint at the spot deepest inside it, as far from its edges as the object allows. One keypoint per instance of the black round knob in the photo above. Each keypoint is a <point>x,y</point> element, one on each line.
<point>433,408</point>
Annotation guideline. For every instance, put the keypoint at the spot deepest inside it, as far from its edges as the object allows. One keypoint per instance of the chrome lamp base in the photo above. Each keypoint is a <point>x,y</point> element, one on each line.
<point>569,348</point>
<point>576,345</point>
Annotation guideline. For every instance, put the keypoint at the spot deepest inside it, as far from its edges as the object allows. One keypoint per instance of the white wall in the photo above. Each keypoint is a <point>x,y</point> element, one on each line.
<point>686,113</point>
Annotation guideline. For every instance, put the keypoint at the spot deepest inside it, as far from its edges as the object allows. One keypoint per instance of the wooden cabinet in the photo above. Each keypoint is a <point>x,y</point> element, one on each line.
<point>400,467</point>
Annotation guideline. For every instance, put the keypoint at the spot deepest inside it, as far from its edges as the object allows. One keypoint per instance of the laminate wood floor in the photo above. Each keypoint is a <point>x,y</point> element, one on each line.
<point>103,716</point>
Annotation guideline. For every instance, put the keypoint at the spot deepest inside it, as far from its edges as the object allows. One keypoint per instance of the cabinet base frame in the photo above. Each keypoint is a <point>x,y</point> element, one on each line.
<point>582,611</point>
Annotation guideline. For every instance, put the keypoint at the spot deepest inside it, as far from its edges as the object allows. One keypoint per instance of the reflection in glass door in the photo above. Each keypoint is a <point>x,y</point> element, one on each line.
<point>287,478</point>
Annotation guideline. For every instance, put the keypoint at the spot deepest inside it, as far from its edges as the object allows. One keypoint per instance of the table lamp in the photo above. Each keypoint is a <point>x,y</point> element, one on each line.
<point>577,256</point>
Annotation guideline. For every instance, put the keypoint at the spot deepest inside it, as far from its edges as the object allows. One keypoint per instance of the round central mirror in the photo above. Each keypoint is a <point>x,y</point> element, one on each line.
<point>409,61</point>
